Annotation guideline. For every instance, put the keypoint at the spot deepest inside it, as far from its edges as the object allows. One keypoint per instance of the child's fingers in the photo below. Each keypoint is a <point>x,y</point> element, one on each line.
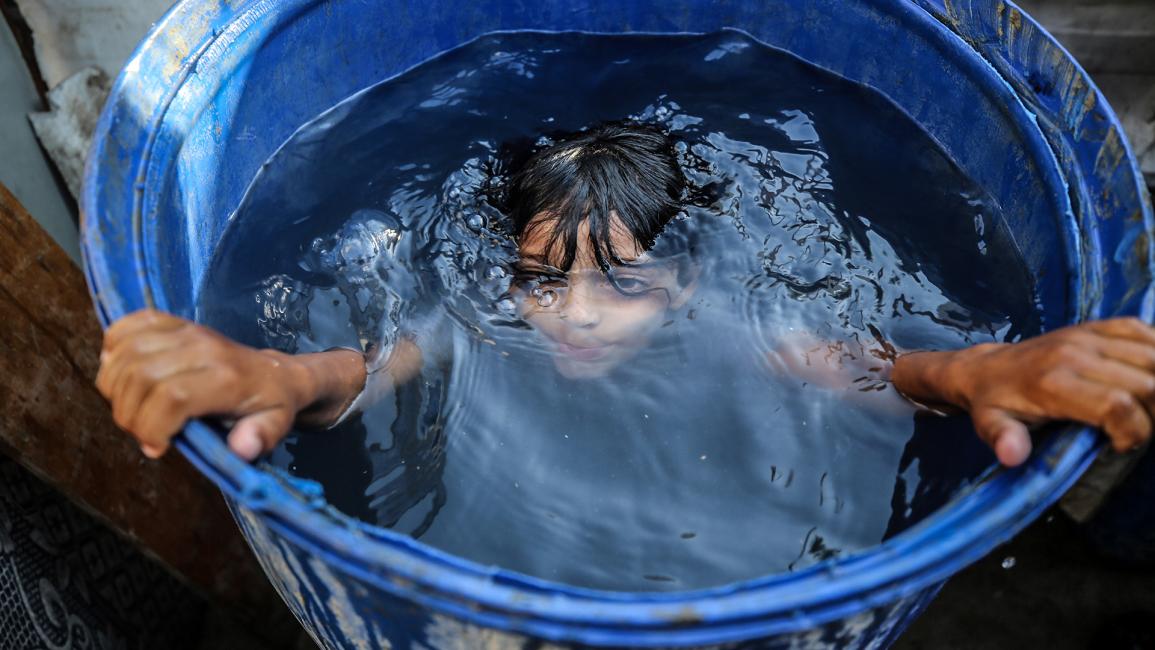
<point>137,322</point>
<point>171,403</point>
<point>124,385</point>
<point>153,451</point>
<point>1109,406</point>
<point>1131,329</point>
<point>1013,444</point>
<point>142,376</point>
<point>114,372</point>
<point>1109,372</point>
<point>260,432</point>
<point>149,341</point>
<point>1139,355</point>
<point>116,365</point>
<point>1008,436</point>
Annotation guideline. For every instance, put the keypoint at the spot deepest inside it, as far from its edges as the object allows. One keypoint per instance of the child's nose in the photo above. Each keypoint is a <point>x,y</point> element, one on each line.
<point>581,308</point>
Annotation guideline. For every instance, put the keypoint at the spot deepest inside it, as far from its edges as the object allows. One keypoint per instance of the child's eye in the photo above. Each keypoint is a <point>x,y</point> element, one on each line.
<point>630,284</point>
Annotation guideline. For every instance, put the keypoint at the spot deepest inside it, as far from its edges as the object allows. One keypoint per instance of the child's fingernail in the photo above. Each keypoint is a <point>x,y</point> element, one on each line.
<point>150,451</point>
<point>246,446</point>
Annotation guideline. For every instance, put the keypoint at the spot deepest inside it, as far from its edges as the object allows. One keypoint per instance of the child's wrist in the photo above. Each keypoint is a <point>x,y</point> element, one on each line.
<point>297,377</point>
<point>336,378</point>
<point>912,375</point>
<point>963,376</point>
<point>932,380</point>
<point>942,378</point>
<point>305,380</point>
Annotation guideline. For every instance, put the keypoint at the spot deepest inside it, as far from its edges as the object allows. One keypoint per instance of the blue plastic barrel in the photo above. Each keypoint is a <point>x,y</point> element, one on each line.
<point>217,86</point>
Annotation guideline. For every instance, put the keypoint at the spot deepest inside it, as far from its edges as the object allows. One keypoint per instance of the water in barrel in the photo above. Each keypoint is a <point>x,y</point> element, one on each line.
<point>713,408</point>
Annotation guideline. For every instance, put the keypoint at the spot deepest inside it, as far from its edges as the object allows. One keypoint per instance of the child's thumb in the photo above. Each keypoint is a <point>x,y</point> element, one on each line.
<point>259,432</point>
<point>1008,436</point>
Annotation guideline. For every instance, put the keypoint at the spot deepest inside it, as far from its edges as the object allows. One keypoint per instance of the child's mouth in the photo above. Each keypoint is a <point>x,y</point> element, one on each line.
<point>583,353</point>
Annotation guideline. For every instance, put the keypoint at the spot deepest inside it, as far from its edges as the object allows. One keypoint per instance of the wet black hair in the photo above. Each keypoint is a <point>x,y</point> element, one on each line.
<point>626,167</point>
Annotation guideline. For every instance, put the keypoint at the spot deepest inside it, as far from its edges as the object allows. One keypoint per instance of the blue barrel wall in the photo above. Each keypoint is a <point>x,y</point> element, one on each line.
<point>218,86</point>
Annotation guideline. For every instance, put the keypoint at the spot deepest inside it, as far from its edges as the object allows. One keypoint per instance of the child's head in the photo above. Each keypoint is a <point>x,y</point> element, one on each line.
<point>597,273</point>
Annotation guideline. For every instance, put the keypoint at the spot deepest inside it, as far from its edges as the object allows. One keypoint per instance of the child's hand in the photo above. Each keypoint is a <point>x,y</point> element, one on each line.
<point>158,371</point>
<point>1100,373</point>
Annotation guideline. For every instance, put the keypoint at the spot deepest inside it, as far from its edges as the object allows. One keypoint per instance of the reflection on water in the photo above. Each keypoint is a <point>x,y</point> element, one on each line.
<point>753,433</point>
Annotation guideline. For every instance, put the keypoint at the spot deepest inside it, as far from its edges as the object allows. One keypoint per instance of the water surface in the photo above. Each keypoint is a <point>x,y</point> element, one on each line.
<point>830,229</point>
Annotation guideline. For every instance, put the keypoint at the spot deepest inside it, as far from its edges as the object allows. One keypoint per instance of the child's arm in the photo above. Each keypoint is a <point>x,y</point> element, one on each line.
<point>860,374</point>
<point>1101,373</point>
<point>158,371</point>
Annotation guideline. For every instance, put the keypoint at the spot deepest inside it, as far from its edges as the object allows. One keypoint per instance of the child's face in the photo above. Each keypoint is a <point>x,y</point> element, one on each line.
<point>595,321</point>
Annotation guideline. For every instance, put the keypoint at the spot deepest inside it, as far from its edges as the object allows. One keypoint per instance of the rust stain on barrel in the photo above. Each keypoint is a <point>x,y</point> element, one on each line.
<point>1110,155</point>
<point>1016,19</point>
<point>684,616</point>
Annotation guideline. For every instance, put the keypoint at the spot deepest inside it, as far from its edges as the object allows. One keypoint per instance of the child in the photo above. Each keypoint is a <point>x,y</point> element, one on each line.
<point>596,280</point>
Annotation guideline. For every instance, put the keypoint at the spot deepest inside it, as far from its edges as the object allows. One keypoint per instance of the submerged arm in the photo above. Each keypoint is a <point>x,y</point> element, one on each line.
<point>861,374</point>
<point>403,362</point>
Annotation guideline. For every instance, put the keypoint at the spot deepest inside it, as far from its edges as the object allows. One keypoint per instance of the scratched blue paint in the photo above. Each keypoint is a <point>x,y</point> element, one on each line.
<point>217,86</point>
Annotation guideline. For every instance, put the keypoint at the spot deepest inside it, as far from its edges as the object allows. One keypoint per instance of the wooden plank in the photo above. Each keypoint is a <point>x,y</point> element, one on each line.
<point>53,421</point>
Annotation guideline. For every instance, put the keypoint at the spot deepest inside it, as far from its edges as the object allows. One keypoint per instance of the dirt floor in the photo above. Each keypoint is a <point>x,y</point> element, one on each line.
<point>1047,588</point>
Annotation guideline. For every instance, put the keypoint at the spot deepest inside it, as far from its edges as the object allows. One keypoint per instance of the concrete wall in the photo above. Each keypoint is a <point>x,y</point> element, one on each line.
<point>23,168</point>
<point>74,34</point>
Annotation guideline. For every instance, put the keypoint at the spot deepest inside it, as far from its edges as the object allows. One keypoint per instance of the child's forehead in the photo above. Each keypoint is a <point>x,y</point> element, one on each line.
<point>641,262</point>
<point>538,242</point>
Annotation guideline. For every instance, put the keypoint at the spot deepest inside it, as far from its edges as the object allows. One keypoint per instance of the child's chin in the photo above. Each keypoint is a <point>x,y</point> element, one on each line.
<point>573,369</point>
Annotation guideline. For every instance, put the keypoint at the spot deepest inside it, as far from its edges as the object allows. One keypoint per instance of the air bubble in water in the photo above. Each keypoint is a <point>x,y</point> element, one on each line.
<point>506,305</point>
<point>495,272</point>
<point>354,251</point>
<point>475,221</point>
<point>1009,562</point>
<point>662,113</point>
<point>545,297</point>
